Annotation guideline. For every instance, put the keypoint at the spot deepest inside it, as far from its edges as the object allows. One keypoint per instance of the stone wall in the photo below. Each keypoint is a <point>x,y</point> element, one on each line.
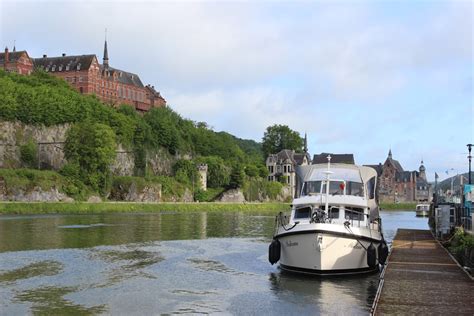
<point>50,142</point>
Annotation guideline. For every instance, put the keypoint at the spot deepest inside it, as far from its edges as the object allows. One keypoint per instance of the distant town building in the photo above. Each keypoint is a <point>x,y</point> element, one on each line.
<point>398,185</point>
<point>282,166</point>
<point>88,76</point>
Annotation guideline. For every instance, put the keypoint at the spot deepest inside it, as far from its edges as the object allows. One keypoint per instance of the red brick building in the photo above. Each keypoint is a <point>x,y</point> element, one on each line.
<point>398,185</point>
<point>18,62</point>
<point>88,76</point>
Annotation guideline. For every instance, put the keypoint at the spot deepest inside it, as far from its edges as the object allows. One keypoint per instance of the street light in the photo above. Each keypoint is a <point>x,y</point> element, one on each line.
<point>469,147</point>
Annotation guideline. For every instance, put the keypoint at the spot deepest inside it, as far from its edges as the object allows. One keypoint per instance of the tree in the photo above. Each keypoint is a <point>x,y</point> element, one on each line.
<point>92,147</point>
<point>237,177</point>
<point>29,154</point>
<point>279,137</point>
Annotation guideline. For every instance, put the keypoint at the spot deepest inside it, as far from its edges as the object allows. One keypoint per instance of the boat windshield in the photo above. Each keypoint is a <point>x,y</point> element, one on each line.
<point>335,187</point>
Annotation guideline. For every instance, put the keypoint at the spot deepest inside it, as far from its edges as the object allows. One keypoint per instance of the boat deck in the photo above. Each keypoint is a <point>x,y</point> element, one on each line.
<point>422,278</point>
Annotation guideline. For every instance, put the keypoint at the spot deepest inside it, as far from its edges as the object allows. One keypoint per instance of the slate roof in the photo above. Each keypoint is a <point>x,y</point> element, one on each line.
<point>60,63</point>
<point>12,56</point>
<point>124,76</point>
<point>300,157</point>
<point>397,165</point>
<point>84,62</point>
<point>335,158</point>
<point>287,156</point>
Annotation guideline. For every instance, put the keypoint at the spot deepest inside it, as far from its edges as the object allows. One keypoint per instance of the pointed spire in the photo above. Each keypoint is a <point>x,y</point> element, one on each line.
<point>390,153</point>
<point>14,44</point>
<point>106,53</point>
<point>305,149</point>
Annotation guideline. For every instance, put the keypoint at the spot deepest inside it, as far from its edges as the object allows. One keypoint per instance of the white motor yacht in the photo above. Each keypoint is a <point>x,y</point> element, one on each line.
<point>422,210</point>
<point>334,226</point>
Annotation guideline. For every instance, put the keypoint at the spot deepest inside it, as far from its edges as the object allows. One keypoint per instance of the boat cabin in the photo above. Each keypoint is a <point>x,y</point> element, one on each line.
<point>350,193</point>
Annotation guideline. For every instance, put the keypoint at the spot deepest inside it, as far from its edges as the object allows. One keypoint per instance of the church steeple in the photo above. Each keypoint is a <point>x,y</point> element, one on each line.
<point>390,153</point>
<point>106,53</point>
<point>305,149</point>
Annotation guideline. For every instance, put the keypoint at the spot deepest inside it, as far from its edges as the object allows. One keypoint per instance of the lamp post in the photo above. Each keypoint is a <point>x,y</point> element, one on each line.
<point>469,147</point>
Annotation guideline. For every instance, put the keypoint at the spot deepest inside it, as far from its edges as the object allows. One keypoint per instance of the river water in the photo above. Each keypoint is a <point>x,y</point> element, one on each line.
<point>166,263</point>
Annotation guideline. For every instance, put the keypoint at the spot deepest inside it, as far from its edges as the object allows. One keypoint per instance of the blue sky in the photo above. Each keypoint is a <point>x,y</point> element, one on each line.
<point>359,77</point>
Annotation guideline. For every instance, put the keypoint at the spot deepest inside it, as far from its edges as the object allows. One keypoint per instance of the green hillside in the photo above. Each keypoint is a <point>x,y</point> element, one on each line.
<point>42,99</point>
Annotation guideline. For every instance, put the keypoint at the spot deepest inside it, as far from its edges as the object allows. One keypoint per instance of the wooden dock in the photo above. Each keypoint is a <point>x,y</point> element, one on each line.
<point>422,278</point>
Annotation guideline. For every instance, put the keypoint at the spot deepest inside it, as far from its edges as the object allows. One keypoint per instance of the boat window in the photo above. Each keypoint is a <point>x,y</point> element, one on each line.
<point>335,187</point>
<point>355,188</point>
<point>312,187</point>
<point>371,188</point>
<point>354,213</point>
<point>334,212</point>
<point>303,212</point>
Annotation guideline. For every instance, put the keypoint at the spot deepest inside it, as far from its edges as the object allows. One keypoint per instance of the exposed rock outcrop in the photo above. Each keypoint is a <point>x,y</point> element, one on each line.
<point>233,195</point>
<point>36,194</point>
<point>131,193</point>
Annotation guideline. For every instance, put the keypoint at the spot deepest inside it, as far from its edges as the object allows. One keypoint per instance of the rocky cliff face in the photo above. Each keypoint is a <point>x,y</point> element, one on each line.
<point>50,142</point>
<point>35,194</point>
<point>233,196</point>
<point>132,193</point>
<point>124,163</point>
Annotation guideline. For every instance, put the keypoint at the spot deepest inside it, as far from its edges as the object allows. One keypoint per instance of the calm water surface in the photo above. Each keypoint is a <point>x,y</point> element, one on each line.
<point>166,263</point>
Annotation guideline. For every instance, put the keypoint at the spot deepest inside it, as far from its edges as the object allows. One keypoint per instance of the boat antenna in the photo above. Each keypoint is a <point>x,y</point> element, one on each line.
<point>328,172</point>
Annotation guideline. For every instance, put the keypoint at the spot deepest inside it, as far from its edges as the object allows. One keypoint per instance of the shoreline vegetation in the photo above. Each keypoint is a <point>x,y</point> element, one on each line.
<point>398,206</point>
<point>33,208</point>
<point>266,208</point>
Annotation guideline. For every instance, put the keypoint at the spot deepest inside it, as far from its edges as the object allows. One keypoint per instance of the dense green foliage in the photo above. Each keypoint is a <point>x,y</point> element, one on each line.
<point>256,189</point>
<point>279,137</point>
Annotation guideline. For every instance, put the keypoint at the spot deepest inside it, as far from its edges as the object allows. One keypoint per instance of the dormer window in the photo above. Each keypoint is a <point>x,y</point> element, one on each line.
<point>54,68</point>
<point>67,67</point>
<point>79,66</point>
<point>60,67</point>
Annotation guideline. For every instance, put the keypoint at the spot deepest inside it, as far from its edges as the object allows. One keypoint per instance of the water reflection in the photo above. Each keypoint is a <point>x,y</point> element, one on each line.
<point>49,300</point>
<point>40,268</point>
<point>332,295</point>
<point>84,231</point>
<point>164,263</point>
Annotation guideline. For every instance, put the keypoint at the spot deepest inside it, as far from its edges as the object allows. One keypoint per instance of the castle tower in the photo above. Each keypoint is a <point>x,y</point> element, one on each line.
<point>202,169</point>
<point>422,171</point>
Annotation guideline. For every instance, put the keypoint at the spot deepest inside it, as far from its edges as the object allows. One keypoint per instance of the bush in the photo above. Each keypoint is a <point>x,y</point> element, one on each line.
<point>29,154</point>
<point>186,172</point>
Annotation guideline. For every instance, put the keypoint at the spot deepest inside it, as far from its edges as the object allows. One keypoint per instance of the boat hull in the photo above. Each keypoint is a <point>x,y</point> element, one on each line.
<point>422,213</point>
<point>325,252</point>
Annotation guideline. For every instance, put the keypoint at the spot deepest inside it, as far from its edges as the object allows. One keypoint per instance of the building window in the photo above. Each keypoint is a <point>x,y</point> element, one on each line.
<point>67,67</point>
<point>80,79</point>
